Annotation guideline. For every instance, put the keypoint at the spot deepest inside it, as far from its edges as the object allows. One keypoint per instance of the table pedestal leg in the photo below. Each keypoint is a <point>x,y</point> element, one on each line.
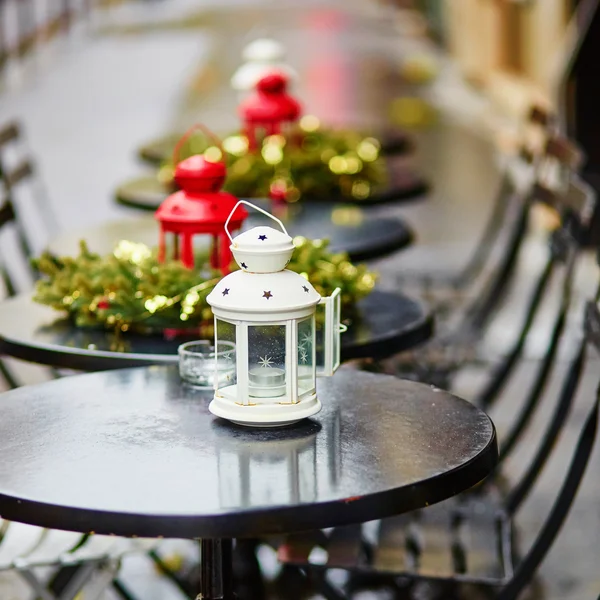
<point>216,570</point>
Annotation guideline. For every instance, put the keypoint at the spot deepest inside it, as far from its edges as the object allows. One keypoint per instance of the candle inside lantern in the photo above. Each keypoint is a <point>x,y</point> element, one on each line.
<point>266,382</point>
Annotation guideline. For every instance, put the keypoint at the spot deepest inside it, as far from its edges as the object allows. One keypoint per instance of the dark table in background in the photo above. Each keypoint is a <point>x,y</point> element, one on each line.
<point>349,229</point>
<point>404,185</point>
<point>134,452</point>
<point>388,323</point>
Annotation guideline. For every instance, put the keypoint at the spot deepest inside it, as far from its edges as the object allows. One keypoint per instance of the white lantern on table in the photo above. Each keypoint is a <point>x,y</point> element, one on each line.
<point>268,312</point>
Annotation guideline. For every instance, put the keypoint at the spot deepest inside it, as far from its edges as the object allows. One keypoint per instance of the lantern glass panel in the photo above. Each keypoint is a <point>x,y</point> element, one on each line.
<point>267,361</point>
<point>306,356</point>
<point>225,338</point>
<point>328,334</point>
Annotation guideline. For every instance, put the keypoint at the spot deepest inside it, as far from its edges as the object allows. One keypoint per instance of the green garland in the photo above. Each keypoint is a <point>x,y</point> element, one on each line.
<point>312,162</point>
<point>130,289</point>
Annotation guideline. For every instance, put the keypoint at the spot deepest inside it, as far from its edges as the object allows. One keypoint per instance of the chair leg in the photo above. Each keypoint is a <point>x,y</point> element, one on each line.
<point>182,584</point>
<point>292,584</point>
<point>319,579</point>
<point>122,591</point>
<point>42,593</point>
<point>249,583</point>
<point>8,377</point>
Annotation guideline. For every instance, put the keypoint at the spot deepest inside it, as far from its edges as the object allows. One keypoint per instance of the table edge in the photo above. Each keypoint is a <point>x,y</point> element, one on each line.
<point>253,523</point>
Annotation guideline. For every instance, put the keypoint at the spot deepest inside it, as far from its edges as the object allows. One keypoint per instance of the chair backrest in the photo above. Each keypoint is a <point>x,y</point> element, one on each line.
<point>550,174</point>
<point>16,273</point>
<point>576,207</point>
<point>579,461</point>
<point>24,187</point>
<point>574,201</point>
<point>530,152</point>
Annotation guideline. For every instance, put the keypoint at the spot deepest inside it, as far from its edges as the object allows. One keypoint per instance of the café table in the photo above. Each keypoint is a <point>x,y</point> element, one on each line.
<point>386,323</point>
<point>403,185</point>
<point>134,452</point>
<point>348,229</point>
<point>147,192</point>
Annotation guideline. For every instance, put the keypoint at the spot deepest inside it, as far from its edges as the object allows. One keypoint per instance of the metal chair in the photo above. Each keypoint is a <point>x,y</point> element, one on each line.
<point>19,175</point>
<point>15,273</point>
<point>468,540</point>
<point>445,292</point>
<point>75,561</point>
<point>555,185</point>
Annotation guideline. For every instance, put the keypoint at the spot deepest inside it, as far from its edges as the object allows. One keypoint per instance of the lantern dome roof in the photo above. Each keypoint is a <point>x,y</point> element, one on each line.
<point>195,175</point>
<point>270,102</point>
<point>263,238</point>
<point>264,49</point>
<point>263,293</point>
<point>211,209</point>
<point>262,250</point>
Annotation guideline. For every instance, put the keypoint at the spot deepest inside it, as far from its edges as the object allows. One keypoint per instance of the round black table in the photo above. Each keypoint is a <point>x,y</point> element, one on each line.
<point>134,452</point>
<point>146,193</point>
<point>348,229</point>
<point>387,324</point>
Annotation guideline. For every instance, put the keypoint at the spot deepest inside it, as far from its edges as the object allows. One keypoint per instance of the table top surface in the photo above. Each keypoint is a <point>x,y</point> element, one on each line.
<point>348,228</point>
<point>386,324</point>
<point>135,452</point>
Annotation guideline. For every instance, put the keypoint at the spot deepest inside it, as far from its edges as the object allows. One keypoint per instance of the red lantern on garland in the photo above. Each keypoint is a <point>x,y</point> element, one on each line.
<point>199,207</point>
<point>268,108</point>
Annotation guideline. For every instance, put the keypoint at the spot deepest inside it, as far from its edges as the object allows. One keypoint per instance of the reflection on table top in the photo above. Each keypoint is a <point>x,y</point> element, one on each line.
<point>134,452</point>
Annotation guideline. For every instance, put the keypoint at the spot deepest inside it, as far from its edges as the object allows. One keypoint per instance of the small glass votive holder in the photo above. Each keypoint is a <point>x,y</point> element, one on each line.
<point>201,365</point>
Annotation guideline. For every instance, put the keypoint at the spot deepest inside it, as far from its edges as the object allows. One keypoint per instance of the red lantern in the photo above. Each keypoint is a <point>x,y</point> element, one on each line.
<point>268,108</point>
<point>200,207</point>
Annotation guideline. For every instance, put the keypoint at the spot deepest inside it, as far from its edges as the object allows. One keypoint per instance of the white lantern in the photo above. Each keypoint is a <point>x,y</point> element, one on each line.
<point>268,312</point>
<point>262,56</point>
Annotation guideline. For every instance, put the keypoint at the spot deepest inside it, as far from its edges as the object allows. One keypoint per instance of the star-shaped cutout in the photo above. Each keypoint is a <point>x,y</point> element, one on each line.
<point>225,292</point>
<point>243,265</point>
<point>303,356</point>
<point>267,295</point>
<point>262,237</point>
<point>305,288</point>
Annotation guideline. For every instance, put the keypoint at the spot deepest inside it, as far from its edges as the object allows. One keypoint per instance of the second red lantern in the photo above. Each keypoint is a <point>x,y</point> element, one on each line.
<point>200,207</point>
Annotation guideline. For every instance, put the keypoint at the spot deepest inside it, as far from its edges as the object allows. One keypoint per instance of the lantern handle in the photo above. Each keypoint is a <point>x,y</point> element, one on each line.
<point>264,212</point>
<point>197,127</point>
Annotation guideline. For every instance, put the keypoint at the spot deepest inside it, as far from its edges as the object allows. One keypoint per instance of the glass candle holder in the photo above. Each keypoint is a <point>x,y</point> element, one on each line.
<point>203,365</point>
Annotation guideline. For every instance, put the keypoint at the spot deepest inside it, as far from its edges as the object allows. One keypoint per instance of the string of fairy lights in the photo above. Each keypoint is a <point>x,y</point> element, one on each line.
<point>129,289</point>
